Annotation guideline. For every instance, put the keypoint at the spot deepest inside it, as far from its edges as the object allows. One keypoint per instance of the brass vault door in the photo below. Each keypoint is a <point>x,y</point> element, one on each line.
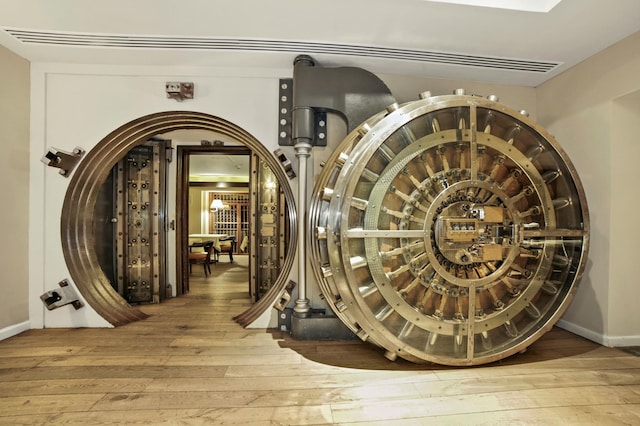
<point>451,229</point>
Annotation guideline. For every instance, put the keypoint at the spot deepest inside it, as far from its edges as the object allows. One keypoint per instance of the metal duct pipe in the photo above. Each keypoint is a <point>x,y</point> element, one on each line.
<point>302,305</point>
<point>302,136</point>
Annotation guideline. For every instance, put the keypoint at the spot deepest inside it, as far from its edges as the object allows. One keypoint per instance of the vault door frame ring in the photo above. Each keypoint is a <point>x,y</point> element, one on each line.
<point>89,176</point>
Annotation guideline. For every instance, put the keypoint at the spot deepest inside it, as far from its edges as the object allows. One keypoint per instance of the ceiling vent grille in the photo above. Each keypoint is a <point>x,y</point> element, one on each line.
<point>236,44</point>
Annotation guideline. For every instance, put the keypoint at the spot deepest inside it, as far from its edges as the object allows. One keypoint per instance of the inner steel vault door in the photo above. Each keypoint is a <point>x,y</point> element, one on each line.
<point>140,222</point>
<point>451,229</point>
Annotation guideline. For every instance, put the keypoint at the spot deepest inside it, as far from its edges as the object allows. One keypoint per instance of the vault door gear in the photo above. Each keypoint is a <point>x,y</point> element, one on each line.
<point>140,225</point>
<point>450,230</point>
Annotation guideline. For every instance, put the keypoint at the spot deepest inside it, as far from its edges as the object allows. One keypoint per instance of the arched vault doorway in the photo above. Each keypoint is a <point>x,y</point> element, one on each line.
<point>86,181</point>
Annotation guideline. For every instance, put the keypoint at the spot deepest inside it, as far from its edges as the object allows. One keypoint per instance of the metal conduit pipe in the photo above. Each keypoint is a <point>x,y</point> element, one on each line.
<point>302,305</point>
<point>302,123</point>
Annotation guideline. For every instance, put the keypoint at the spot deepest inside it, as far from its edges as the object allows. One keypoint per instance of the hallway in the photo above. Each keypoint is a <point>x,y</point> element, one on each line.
<point>190,363</point>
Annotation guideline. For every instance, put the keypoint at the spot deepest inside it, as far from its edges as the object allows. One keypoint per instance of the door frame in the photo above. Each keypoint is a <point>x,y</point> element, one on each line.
<point>182,205</point>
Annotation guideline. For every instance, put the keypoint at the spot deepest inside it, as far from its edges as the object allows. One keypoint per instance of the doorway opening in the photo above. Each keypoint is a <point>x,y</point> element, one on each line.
<point>235,206</point>
<point>216,204</point>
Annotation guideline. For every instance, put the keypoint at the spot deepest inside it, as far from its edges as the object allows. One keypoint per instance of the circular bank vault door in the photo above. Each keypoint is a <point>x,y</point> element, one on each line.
<point>450,229</point>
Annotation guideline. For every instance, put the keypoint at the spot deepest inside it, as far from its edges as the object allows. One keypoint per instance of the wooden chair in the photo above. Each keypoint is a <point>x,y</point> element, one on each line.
<point>244,245</point>
<point>227,246</point>
<point>202,258</point>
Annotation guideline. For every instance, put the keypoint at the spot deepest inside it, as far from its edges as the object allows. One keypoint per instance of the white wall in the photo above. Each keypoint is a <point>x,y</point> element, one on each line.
<point>593,111</point>
<point>407,89</point>
<point>14,216</point>
<point>76,105</point>
<point>624,319</point>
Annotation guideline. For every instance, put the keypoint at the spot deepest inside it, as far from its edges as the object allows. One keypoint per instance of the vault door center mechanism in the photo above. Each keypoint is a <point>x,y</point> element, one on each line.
<point>451,230</point>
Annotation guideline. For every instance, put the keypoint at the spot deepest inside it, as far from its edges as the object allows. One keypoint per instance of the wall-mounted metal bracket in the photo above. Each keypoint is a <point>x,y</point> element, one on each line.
<point>284,319</point>
<point>320,127</point>
<point>353,93</point>
<point>285,105</point>
<point>179,90</point>
<point>65,161</point>
<point>285,118</point>
<point>285,296</point>
<point>65,295</point>
<point>286,164</point>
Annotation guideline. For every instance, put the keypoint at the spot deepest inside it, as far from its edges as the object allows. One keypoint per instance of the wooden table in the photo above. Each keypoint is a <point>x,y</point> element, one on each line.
<point>193,238</point>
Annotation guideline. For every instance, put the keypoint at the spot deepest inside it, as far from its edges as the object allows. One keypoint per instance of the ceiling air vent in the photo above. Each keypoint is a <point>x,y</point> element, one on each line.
<point>266,45</point>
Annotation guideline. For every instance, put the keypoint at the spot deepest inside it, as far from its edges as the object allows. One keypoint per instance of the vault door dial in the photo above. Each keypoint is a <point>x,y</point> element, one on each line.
<point>451,230</point>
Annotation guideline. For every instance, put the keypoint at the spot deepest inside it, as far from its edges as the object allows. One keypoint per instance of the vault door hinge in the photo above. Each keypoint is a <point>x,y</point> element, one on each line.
<point>285,117</point>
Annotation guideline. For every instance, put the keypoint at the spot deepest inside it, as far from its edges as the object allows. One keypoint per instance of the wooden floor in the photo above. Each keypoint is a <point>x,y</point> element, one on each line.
<point>189,363</point>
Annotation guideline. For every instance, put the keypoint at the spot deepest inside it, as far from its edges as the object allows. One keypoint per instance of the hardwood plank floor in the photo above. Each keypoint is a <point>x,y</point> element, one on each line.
<point>189,363</point>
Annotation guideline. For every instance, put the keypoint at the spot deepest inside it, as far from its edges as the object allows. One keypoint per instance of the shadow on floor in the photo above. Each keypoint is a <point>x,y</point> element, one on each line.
<point>557,344</point>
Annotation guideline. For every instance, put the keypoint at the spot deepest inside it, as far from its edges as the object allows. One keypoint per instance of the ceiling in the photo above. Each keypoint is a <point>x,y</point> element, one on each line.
<point>414,37</point>
<point>219,168</point>
<point>211,166</point>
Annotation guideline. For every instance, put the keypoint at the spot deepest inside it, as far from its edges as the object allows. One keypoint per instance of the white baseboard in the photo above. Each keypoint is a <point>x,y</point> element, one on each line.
<point>605,340</point>
<point>621,341</point>
<point>13,330</point>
